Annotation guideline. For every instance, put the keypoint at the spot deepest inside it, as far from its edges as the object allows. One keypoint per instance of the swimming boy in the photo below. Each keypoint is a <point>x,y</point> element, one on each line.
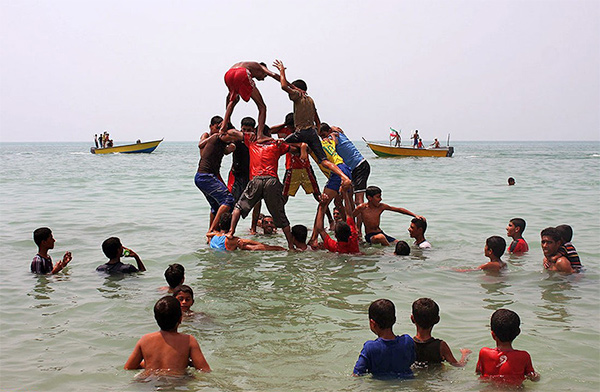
<point>114,250</point>
<point>388,355</point>
<point>306,121</point>
<point>514,230</point>
<point>504,363</point>
<point>567,249</point>
<point>239,82</point>
<point>185,296</point>
<point>299,234</point>
<point>42,262</point>
<point>493,250</point>
<point>553,260</point>
<point>219,240</point>
<point>417,231</point>
<point>429,350</point>
<point>402,248</point>
<point>167,349</point>
<point>174,275</point>
<point>371,215</point>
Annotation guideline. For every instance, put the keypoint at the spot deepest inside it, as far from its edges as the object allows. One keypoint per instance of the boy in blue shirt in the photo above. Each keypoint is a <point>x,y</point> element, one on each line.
<point>388,355</point>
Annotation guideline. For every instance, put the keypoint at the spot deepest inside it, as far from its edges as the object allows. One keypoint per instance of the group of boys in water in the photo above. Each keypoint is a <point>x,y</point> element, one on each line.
<point>253,178</point>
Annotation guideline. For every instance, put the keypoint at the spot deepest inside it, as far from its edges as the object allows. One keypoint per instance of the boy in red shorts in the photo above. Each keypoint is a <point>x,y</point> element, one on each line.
<point>504,363</point>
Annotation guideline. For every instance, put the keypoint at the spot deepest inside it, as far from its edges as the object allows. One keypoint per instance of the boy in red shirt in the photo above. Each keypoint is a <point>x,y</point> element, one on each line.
<point>345,232</point>
<point>504,363</point>
<point>515,230</point>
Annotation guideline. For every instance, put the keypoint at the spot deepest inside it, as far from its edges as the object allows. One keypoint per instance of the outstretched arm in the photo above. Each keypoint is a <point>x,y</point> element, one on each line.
<point>245,244</point>
<point>285,85</point>
<point>402,211</point>
<point>447,355</point>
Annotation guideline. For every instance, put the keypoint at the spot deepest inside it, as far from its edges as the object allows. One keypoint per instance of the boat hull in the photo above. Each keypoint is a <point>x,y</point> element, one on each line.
<point>384,151</point>
<point>146,147</point>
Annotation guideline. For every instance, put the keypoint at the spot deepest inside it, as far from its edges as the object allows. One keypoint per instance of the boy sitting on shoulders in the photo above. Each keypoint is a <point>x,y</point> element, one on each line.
<point>167,349</point>
<point>504,363</point>
<point>388,355</point>
<point>514,230</point>
<point>113,249</point>
<point>371,216</point>
<point>553,260</point>
<point>42,262</point>
<point>426,314</point>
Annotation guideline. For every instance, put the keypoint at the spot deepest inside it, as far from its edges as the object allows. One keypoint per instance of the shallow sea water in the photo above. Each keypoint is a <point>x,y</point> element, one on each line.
<point>274,321</point>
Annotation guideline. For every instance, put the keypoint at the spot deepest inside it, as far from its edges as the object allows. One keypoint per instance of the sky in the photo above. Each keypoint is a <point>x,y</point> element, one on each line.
<point>145,69</point>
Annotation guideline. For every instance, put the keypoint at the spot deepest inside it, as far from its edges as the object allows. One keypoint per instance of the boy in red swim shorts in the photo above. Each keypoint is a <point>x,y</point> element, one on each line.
<point>239,82</point>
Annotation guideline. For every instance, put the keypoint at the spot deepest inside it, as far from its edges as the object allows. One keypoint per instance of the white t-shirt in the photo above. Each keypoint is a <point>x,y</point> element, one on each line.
<point>424,245</point>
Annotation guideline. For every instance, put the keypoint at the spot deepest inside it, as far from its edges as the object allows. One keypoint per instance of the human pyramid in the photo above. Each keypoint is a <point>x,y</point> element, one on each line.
<point>253,178</point>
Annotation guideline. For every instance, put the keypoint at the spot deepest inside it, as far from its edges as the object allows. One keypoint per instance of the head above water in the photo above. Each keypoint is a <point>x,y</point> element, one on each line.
<point>342,231</point>
<point>112,247</point>
<point>496,244</point>
<point>41,234</point>
<point>174,275</point>
<point>505,325</point>
<point>167,313</point>
<point>566,232</point>
<point>402,248</point>
<point>383,313</point>
<point>425,313</point>
<point>299,233</point>
<point>511,181</point>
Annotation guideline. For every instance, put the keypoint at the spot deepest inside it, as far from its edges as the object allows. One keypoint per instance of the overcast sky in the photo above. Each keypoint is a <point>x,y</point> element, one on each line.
<point>479,70</point>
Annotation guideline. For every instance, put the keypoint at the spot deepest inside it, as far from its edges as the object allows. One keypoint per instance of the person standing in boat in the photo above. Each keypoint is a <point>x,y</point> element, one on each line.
<point>96,139</point>
<point>435,144</point>
<point>239,82</point>
<point>415,138</point>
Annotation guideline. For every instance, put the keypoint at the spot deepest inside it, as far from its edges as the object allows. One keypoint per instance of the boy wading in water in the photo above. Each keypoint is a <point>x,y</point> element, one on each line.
<point>167,349</point>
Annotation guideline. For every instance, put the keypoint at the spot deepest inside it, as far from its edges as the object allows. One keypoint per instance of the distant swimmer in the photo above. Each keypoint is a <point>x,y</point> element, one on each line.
<point>239,82</point>
<point>511,181</point>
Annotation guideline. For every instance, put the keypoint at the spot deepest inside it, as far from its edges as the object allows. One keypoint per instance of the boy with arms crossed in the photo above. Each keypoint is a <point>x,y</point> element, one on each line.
<point>553,260</point>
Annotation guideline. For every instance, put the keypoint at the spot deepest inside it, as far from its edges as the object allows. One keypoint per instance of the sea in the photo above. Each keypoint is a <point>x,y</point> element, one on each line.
<point>292,321</point>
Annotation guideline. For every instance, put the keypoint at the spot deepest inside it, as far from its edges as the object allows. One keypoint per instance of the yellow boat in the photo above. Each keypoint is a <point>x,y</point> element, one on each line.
<point>145,147</point>
<point>383,150</point>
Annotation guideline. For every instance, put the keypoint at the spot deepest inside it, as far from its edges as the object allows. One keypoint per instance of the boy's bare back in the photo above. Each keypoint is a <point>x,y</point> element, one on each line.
<point>165,350</point>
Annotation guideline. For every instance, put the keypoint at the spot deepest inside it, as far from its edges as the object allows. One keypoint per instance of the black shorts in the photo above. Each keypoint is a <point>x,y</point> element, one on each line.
<point>360,174</point>
<point>310,137</point>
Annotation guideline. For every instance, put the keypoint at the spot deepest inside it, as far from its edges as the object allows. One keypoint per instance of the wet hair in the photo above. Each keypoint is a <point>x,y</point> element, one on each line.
<point>248,122</point>
<point>383,312</point>
<point>41,234</point>
<point>299,232</point>
<point>325,127</point>
<point>566,232</point>
<point>216,120</point>
<point>289,120</point>
<point>511,181</point>
<point>505,325</point>
<point>111,246</point>
<point>420,223</point>
<point>182,288</point>
<point>426,312</point>
<point>372,191</point>
<point>402,248</point>
<point>174,275</point>
<point>167,313</point>
<point>301,84</point>
<point>342,231</point>
<point>519,222</point>
<point>225,221</point>
<point>497,245</point>
<point>551,232</point>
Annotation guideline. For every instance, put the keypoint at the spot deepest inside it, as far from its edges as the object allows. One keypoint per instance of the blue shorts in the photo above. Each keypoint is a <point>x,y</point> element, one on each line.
<point>214,190</point>
<point>368,236</point>
<point>335,181</point>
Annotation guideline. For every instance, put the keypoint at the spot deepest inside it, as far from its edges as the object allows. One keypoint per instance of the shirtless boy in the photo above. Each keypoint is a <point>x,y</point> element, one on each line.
<point>167,349</point>
<point>239,82</point>
<point>219,240</point>
<point>553,260</point>
<point>371,215</point>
